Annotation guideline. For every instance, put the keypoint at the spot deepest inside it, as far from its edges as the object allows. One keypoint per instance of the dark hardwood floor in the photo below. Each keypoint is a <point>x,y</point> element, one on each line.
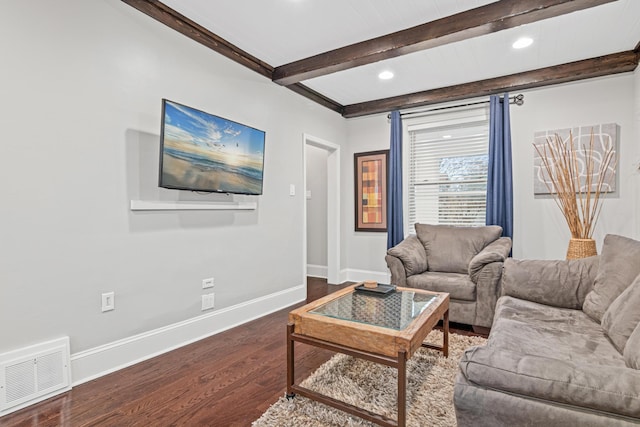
<point>228,379</point>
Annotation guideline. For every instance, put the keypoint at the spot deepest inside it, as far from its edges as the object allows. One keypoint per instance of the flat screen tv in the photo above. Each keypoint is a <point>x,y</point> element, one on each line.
<point>203,152</point>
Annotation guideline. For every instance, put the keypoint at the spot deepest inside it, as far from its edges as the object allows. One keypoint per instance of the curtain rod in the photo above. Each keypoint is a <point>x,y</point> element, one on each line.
<point>516,99</point>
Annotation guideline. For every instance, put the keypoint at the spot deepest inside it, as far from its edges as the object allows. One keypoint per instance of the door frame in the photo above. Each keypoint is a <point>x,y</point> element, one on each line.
<point>333,205</point>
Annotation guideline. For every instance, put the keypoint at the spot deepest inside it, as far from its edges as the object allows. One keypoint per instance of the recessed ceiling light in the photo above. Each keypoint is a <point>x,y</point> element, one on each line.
<point>385,75</point>
<point>446,136</point>
<point>522,42</point>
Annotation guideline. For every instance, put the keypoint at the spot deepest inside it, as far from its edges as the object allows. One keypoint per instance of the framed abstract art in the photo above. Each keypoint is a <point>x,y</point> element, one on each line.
<point>371,172</point>
<point>604,136</point>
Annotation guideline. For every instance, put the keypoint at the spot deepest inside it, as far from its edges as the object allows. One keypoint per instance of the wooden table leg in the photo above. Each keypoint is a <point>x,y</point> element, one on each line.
<point>290,360</point>
<point>445,328</point>
<point>402,388</point>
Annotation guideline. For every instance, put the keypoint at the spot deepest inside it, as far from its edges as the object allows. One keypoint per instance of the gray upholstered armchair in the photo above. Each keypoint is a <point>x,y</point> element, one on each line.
<point>466,262</point>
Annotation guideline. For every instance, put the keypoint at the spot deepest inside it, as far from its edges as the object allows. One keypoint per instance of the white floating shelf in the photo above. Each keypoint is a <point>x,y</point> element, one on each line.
<point>150,205</point>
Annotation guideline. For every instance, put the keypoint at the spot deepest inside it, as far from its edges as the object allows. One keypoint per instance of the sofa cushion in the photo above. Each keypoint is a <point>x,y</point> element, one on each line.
<point>632,349</point>
<point>618,267</point>
<point>459,286</point>
<point>485,407</point>
<point>546,331</point>
<point>623,315</point>
<point>564,283</point>
<point>611,390</point>
<point>412,254</point>
<point>451,249</point>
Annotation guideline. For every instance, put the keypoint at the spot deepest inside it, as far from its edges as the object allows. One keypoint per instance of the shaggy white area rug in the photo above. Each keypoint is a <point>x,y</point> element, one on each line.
<point>430,379</point>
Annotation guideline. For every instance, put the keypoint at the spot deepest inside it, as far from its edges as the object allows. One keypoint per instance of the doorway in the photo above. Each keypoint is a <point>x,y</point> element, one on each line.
<point>331,157</point>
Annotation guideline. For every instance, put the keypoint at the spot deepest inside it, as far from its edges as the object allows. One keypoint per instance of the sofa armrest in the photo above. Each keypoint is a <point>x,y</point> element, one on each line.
<point>613,389</point>
<point>562,283</point>
<point>398,273</point>
<point>496,251</point>
<point>487,293</point>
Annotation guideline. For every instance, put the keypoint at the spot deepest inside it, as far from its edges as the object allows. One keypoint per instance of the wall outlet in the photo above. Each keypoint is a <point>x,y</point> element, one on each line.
<point>108,301</point>
<point>207,301</point>
<point>207,283</point>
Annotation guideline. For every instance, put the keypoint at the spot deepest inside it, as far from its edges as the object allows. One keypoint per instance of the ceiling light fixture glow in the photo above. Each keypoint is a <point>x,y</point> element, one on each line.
<point>385,75</point>
<point>522,42</point>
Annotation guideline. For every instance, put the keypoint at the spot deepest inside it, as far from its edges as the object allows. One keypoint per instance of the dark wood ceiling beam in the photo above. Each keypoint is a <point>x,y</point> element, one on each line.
<point>595,67</point>
<point>311,94</point>
<point>476,22</point>
<point>180,23</point>
<point>610,64</point>
<point>187,27</point>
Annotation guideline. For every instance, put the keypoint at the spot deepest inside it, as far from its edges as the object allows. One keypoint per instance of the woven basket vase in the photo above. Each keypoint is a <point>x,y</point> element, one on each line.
<point>581,248</point>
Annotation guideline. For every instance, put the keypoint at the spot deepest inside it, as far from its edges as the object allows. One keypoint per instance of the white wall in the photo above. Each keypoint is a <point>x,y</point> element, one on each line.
<point>539,227</point>
<point>82,84</point>
<point>363,252</point>
<point>316,209</point>
<point>540,231</point>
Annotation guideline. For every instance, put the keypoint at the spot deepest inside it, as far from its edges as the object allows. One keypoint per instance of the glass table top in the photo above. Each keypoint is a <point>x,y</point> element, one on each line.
<point>394,310</point>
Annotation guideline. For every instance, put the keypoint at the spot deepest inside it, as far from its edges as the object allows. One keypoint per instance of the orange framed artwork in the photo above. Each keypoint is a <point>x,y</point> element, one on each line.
<point>371,171</point>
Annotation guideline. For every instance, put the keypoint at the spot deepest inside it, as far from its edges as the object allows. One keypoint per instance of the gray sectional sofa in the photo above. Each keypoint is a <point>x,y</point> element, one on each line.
<point>564,348</point>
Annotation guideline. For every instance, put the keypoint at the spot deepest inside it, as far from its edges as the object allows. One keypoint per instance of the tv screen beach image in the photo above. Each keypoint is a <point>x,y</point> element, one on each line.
<point>203,152</point>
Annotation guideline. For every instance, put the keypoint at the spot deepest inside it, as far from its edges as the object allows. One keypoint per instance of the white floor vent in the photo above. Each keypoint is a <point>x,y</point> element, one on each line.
<point>34,373</point>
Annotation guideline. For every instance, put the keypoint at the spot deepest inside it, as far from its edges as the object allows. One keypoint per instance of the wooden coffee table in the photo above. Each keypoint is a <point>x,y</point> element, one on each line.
<point>386,329</point>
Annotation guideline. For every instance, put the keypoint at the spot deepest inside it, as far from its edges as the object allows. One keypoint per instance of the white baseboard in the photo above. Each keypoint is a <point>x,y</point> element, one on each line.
<point>343,276</point>
<point>317,271</point>
<point>96,362</point>
<point>353,275</point>
<point>349,274</point>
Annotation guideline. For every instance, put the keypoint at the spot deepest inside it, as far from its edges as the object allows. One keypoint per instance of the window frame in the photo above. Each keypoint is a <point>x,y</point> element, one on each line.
<point>435,120</point>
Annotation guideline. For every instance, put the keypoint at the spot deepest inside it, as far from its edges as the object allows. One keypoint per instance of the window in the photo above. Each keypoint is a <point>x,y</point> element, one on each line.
<point>448,164</point>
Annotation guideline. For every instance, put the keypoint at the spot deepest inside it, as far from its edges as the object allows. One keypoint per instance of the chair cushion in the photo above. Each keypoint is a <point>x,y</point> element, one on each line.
<point>459,286</point>
<point>451,249</point>
<point>412,254</point>
<point>623,315</point>
<point>618,267</point>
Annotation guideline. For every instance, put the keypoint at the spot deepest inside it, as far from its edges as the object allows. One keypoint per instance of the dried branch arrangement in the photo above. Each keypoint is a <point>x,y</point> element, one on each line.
<point>577,194</point>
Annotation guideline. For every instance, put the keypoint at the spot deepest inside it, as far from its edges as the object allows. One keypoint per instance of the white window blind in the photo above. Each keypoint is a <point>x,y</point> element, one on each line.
<point>448,163</point>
